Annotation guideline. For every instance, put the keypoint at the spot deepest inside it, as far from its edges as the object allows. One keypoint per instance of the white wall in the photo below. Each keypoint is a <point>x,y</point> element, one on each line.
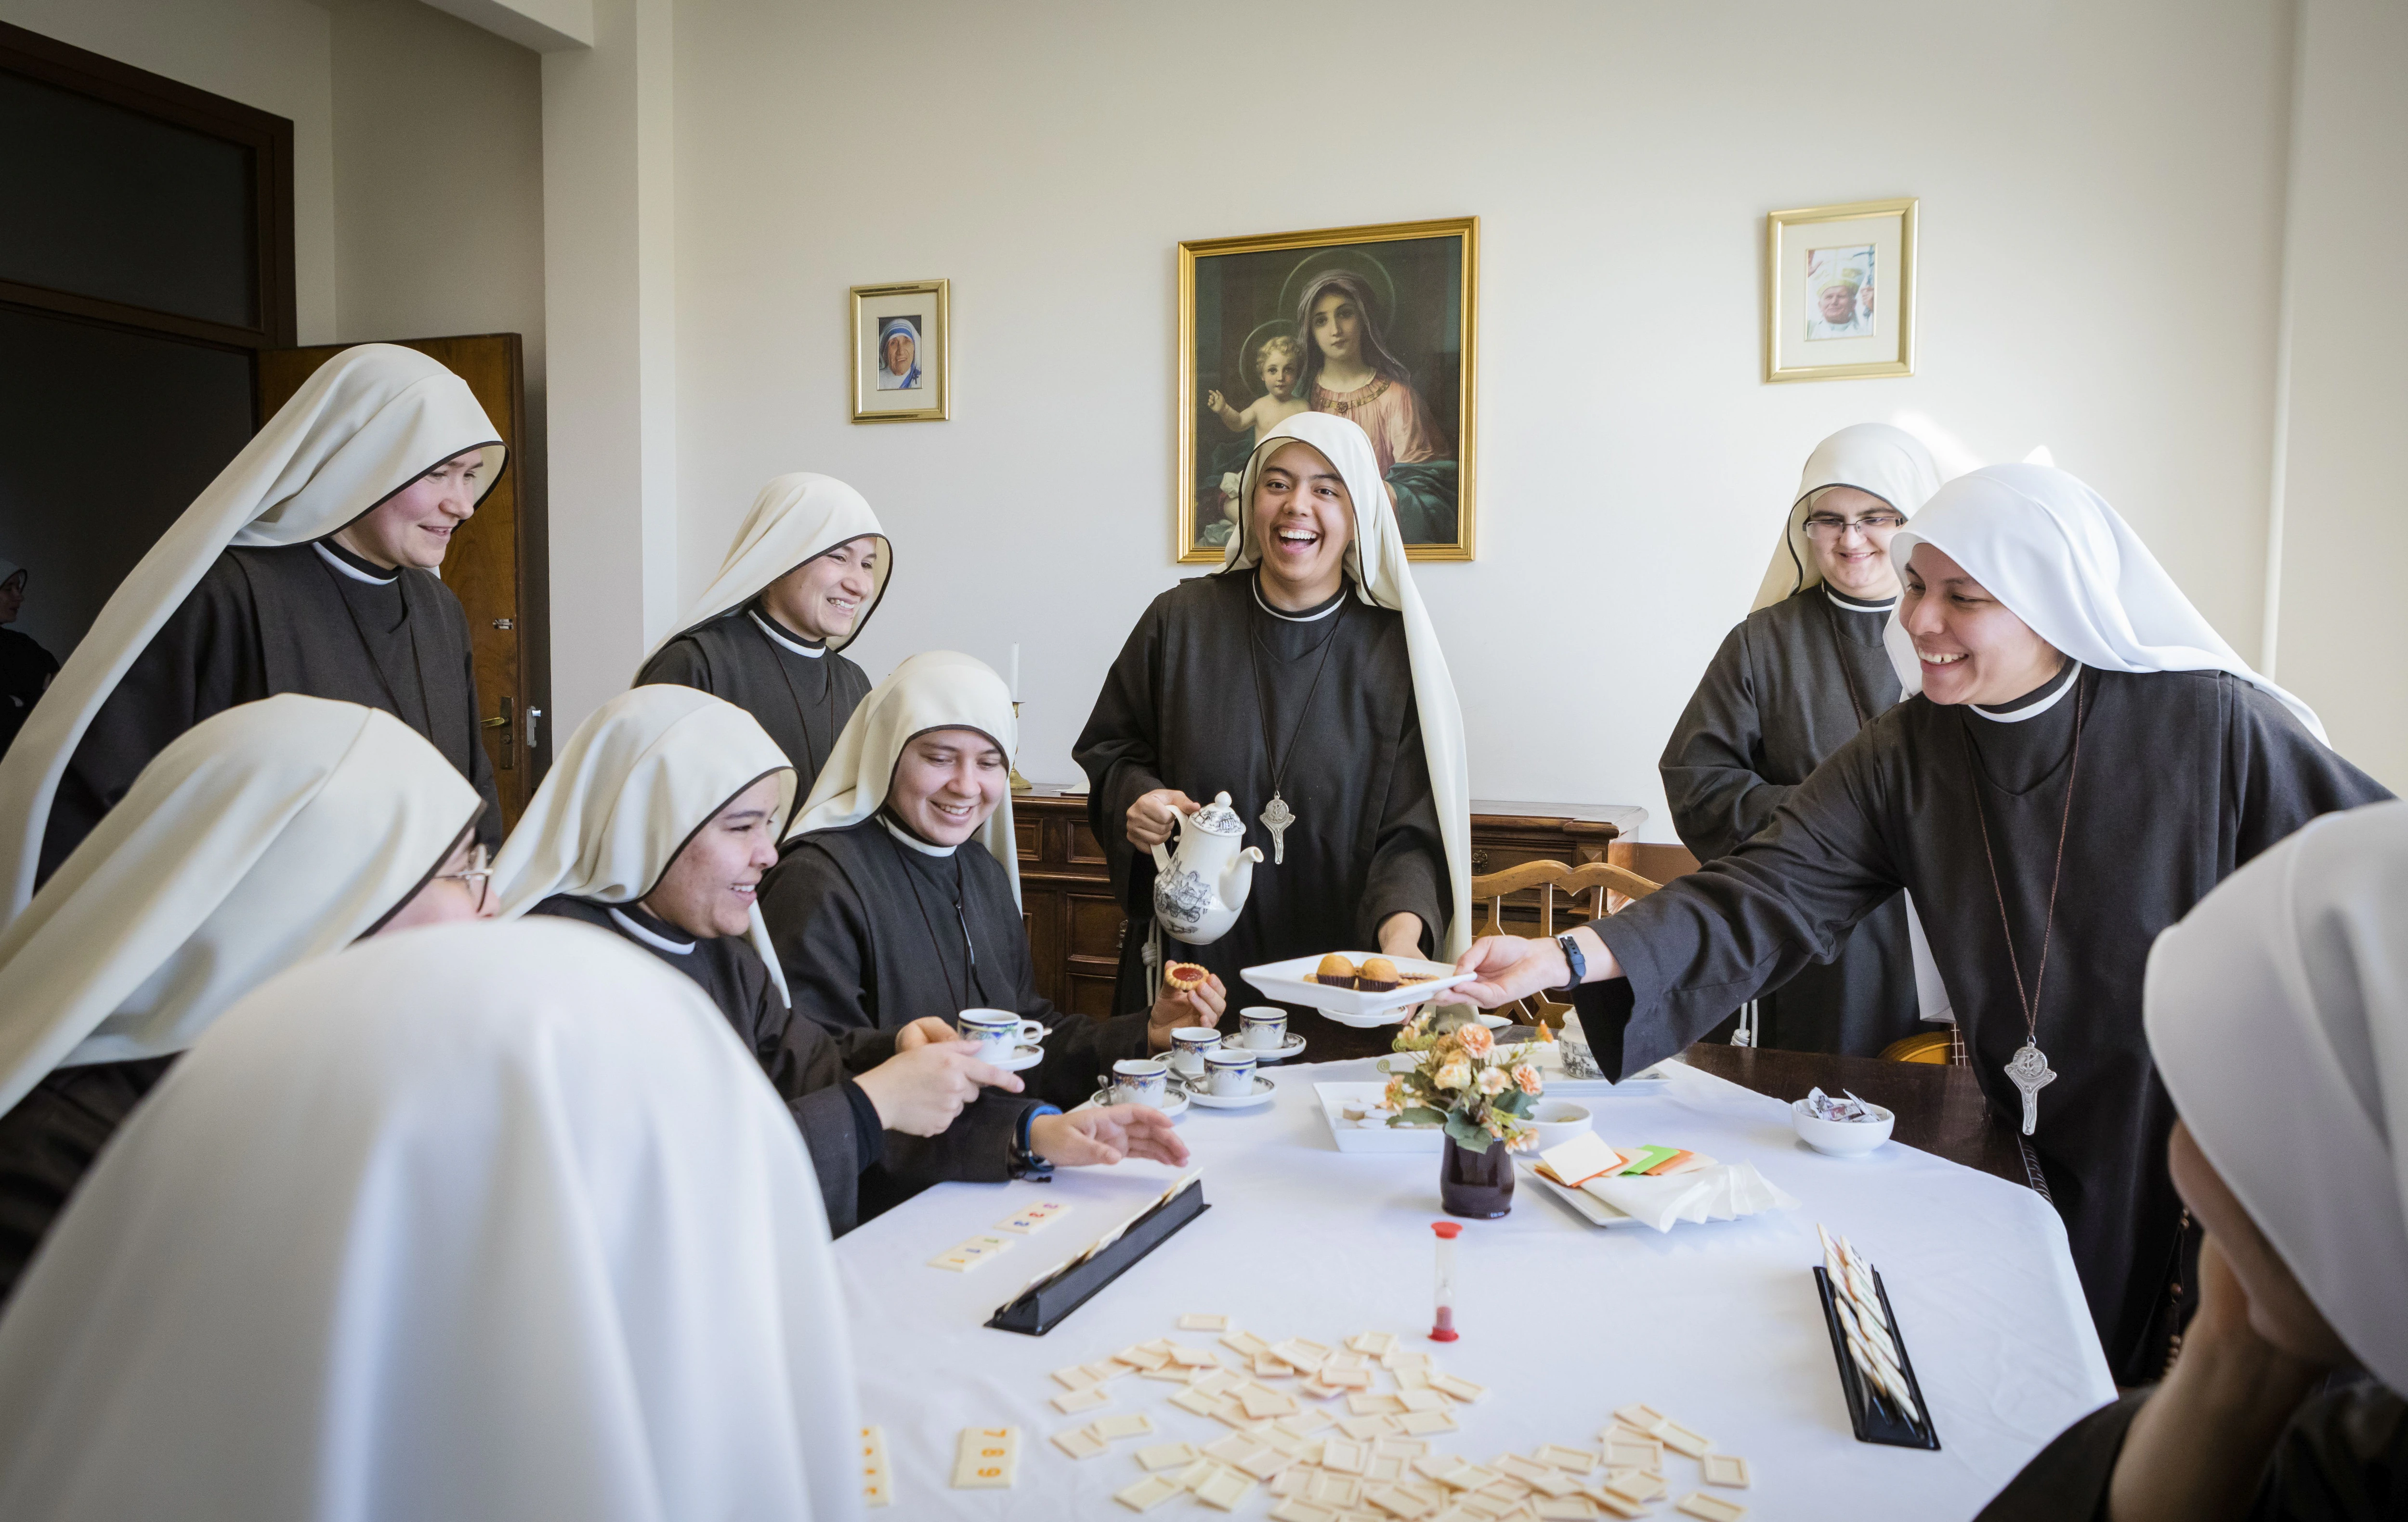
<point>2344,618</point>
<point>2101,195</point>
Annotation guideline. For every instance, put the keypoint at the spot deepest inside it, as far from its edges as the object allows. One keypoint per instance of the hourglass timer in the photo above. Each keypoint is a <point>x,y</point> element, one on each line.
<point>1442,1328</point>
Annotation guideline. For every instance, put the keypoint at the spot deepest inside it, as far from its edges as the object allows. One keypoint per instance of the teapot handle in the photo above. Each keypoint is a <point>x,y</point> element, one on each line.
<point>1161,851</point>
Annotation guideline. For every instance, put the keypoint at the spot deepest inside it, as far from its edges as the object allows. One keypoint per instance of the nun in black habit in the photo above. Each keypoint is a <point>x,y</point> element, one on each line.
<point>26,667</point>
<point>307,566</point>
<point>1305,680</point>
<point>807,570</point>
<point>1798,677</point>
<point>2081,757</point>
<point>897,900</point>
<point>655,826</point>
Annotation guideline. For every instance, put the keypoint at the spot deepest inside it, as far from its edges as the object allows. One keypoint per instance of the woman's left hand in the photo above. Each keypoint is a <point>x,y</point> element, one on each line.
<point>927,1028</point>
<point>1400,935</point>
<point>1173,1009</point>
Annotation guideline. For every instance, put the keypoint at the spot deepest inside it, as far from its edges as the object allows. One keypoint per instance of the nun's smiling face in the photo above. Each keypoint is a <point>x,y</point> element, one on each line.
<point>1972,646</point>
<point>1850,531</point>
<point>414,525</point>
<point>899,350</point>
<point>823,597</point>
<point>946,784</point>
<point>707,891</point>
<point>1304,520</point>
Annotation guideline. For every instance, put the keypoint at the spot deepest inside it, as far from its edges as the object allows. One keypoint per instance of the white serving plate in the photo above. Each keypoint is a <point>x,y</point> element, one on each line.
<point>1645,1084</point>
<point>1290,982</point>
<point>1592,1209</point>
<point>1378,1135</point>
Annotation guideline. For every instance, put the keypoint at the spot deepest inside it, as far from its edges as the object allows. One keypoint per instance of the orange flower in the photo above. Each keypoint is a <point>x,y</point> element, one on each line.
<point>1476,1040</point>
<point>1528,1077</point>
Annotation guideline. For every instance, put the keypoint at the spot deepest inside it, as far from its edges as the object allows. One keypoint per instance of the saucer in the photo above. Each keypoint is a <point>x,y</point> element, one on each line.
<point>1275,1054</point>
<point>1174,1102</point>
<point>1026,1056</point>
<point>1264,1088</point>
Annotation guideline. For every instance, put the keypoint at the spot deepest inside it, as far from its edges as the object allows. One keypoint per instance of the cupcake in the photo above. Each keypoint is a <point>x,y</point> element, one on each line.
<point>1335,971</point>
<point>1378,976</point>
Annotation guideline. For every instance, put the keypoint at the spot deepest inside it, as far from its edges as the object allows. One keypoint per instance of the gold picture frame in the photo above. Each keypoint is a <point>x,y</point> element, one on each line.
<point>1238,313</point>
<point>1811,255</point>
<point>925,393</point>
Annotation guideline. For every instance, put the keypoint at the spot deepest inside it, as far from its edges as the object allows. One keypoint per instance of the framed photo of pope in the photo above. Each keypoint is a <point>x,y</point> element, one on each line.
<point>1839,291</point>
<point>1372,324</point>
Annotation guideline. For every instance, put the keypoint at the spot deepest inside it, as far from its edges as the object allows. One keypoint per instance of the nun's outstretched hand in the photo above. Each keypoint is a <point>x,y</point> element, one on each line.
<point>1508,967</point>
<point>919,1092</point>
<point>1086,1138</point>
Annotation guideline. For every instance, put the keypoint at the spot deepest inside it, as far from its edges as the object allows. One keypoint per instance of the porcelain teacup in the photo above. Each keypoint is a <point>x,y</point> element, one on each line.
<point>999,1032</point>
<point>1232,1070</point>
<point>1262,1027</point>
<point>1140,1080</point>
<point>1188,1044</point>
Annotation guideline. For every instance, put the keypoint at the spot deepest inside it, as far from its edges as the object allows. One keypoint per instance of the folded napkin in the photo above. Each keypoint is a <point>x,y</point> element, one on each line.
<point>1699,1189</point>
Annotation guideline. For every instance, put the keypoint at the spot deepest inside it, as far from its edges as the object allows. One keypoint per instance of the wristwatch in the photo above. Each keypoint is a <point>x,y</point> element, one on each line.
<point>1025,1163</point>
<point>1573,959</point>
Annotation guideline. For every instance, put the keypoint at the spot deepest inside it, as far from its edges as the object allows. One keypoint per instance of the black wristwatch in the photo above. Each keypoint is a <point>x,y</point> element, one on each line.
<point>1025,1162</point>
<point>1573,959</point>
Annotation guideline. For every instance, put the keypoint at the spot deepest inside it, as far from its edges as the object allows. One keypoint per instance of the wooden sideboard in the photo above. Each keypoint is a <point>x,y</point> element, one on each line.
<point>1074,924</point>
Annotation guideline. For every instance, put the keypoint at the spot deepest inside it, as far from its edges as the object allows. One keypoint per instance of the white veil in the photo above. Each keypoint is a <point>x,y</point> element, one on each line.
<point>1889,462</point>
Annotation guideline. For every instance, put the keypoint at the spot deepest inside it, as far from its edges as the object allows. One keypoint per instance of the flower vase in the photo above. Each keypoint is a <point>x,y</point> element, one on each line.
<point>1478,1185</point>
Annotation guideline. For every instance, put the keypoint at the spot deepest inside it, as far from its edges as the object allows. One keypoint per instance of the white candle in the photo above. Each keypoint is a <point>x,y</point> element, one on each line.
<point>1015,674</point>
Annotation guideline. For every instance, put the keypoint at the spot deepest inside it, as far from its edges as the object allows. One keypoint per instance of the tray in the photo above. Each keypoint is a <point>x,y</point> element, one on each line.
<point>1289,983</point>
<point>1382,1137</point>
<point>1048,1301</point>
<point>1876,1424</point>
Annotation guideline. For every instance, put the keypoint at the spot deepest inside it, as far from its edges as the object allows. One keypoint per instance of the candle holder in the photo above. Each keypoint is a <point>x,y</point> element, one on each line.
<point>1019,783</point>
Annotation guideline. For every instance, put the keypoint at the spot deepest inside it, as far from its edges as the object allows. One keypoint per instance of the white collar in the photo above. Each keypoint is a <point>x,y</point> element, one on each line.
<point>814,652</point>
<point>348,569</point>
<point>908,838</point>
<point>2064,685</point>
<point>1847,605</point>
<point>1334,603</point>
<point>657,941</point>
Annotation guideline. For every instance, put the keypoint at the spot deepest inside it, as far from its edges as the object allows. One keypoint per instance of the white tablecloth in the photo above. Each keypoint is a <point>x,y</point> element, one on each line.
<point>1716,1325</point>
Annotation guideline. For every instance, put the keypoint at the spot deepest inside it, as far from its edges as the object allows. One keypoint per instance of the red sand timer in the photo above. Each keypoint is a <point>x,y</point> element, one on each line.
<point>1442,1329</point>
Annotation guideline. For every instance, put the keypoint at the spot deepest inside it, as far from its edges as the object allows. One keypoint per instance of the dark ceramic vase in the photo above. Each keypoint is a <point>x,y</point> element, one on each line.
<point>1478,1185</point>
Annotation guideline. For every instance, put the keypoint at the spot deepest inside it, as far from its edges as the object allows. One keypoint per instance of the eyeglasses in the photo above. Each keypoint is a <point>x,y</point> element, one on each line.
<point>479,875</point>
<point>1829,526</point>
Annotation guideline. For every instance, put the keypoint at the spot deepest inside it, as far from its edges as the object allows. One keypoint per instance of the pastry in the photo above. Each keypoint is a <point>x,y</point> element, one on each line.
<point>1378,976</point>
<point>1184,976</point>
<point>1335,971</point>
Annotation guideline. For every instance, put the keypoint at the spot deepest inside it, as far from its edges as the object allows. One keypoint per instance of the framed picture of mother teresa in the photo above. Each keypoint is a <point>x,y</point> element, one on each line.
<point>1839,291</point>
<point>1371,324</point>
<point>902,338</point>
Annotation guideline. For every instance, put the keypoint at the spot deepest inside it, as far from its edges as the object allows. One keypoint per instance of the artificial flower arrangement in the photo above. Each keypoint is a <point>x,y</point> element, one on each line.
<point>1463,1080</point>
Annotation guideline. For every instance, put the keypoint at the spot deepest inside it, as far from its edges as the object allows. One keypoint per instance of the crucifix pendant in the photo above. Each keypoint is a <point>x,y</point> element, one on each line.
<point>1276,818</point>
<point>2029,1072</point>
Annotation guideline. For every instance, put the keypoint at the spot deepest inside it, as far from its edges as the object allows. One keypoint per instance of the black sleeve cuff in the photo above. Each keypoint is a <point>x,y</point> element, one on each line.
<point>871,1132</point>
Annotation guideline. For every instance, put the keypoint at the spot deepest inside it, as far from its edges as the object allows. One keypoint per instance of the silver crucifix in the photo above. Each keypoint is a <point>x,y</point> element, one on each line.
<point>2029,1072</point>
<point>1276,818</point>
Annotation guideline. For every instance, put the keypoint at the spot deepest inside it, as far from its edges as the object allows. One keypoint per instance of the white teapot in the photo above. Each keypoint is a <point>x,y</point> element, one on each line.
<point>1198,892</point>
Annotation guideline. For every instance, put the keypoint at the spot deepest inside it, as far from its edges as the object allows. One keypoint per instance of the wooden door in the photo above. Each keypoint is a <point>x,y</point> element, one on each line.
<point>488,565</point>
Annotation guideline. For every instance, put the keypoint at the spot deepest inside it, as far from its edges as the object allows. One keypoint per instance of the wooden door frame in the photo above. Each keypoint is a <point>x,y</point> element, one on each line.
<point>268,136</point>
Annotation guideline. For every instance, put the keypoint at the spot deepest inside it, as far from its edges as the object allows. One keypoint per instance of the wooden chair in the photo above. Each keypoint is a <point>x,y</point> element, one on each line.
<point>1610,888</point>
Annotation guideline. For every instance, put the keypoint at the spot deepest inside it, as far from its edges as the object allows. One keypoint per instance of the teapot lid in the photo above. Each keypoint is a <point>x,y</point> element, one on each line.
<point>1217,817</point>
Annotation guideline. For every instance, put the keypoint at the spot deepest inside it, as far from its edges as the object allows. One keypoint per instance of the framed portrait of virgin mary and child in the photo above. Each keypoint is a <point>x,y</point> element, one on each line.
<point>1371,324</point>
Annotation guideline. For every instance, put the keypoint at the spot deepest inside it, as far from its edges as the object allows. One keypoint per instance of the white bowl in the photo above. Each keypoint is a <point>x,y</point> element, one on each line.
<point>1842,1138</point>
<point>1559,1121</point>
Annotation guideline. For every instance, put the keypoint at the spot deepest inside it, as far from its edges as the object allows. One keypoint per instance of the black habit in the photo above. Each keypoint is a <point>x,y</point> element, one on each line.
<point>873,934</point>
<point>25,673</point>
<point>803,701</point>
<point>1791,684</point>
<point>264,621</point>
<point>1180,709</point>
<point>862,1169</point>
<point>2183,777</point>
<point>49,1139</point>
<point>2341,1458</point>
